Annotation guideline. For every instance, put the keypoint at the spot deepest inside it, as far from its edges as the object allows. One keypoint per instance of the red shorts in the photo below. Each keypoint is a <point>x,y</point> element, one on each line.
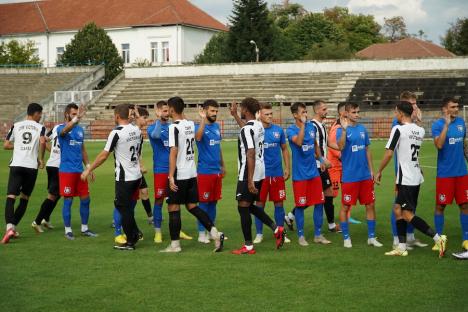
<point>335,177</point>
<point>448,188</point>
<point>362,190</point>
<point>308,192</point>
<point>274,189</point>
<point>71,185</point>
<point>209,187</point>
<point>160,185</point>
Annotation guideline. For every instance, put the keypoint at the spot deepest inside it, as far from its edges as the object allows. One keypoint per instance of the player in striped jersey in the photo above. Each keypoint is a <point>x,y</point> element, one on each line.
<point>26,139</point>
<point>53,196</point>
<point>406,139</point>
<point>251,174</point>
<point>182,177</point>
<point>125,142</point>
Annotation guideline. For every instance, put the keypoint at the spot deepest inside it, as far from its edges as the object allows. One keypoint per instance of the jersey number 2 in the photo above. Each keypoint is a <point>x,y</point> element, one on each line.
<point>415,152</point>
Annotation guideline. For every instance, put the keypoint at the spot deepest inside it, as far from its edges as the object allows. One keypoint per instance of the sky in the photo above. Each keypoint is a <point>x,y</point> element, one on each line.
<point>432,16</point>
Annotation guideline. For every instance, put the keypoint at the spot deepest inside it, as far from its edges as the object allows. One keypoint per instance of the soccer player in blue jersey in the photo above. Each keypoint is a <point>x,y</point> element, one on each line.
<point>307,184</point>
<point>273,186</point>
<point>416,116</point>
<point>210,170</point>
<point>72,157</point>
<point>357,181</point>
<point>158,134</point>
<point>449,133</point>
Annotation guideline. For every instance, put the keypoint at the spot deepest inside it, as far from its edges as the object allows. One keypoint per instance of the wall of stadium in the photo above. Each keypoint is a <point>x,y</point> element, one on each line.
<point>175,45</point>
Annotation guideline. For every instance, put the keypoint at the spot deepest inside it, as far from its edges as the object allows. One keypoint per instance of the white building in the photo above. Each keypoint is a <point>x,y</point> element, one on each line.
<point>163,32</point>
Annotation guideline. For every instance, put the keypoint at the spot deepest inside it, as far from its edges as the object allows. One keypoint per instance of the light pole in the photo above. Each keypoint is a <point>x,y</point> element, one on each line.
<point>257,51</point>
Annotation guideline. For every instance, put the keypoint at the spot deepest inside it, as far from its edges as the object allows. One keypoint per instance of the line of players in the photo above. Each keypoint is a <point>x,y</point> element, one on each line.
<point>259,180</point>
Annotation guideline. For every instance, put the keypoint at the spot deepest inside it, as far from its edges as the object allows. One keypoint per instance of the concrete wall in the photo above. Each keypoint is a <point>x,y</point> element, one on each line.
<point>458,63</point>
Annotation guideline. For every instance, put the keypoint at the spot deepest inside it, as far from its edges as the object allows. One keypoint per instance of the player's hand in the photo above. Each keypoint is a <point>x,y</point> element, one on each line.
<point>143,169</point>
<point>252,188</point>
<point>223,172</point>
<point>322,167</point>
<point>447,118</point>
<point>92,176</point>
<point>81,111</point>
<point>172,185</point>
<point>344,122</point>
<point>84,175</point>
<point>157,112</point>
<point>286,174</point>
<point>417,115</point>
<point>303,119</point>
<point>233,108</point>
<point>41,164</point>
<point>377,178</point>
<point>327,163</point>
<point>202,113</point>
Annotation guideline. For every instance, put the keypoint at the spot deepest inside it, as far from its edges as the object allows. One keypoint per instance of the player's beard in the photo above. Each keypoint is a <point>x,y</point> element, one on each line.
<point>211,119</point>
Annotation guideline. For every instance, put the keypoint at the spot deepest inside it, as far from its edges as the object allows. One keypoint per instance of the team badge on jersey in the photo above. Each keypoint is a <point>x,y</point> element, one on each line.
<point>460,128</point>
<point>67,190</point>
<point>442,197</point>
<point>312,134</point>
<point>160,192</point>
<point>302,200</point>
<point>276,135</point>
<point>282,194</point>
<point>363,135</point>
<point>206,195</point>
<point>347,198</point>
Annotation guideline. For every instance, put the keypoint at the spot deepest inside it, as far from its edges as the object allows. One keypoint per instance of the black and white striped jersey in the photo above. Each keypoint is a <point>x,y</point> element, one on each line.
<point>126,141</point>
<point>251,136</point>
<point>25,136</point>
<point>54,157</point>
<point>406,140</point>
<point>322,138</point>
<point>182,136</point>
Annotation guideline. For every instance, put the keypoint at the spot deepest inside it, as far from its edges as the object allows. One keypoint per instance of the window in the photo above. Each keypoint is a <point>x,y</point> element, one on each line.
<point>126,52</point>
<point>60,51</point>
<point>165,50</point>
<point>154,52</point>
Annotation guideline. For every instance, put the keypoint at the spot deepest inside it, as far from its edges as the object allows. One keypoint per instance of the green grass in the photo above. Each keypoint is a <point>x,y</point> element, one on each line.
<point>47,272</point>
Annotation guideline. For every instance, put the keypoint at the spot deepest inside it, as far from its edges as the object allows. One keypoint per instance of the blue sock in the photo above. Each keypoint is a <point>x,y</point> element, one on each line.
<point>204,207</point>
<point>345,229</point>
<point>212,211</point>
<point>318,219</point>
<point>117,222</point>
<point>299,215</point>
<point>464,225</point>
<point>393,223</point>
<point>259,223</point>
<point>279,215</point>
<point>439,223</point>
<point>157,216</point>
<point>66,211</point>
<point>370,228</point>
<point>84,210</point>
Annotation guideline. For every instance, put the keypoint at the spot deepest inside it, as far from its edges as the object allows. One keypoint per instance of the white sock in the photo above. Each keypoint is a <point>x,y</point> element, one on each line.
<point>84,227</point>
<point>259,235</point>
<point>201,234</point>
<point>175,243</point>
<point>331,226</point>
<point>157,230</point>
<point>410,236</point>
<point>291,216</point>
<point>436,238</point>
<point>214,232</point>
<point>396,241</point>
<point>10,226</point>
<point>68,229</point>
<point>402,246</point>
<point>249,247</point>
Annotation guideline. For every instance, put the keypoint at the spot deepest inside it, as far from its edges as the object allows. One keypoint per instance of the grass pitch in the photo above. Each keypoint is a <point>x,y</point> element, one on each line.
<point>49,273</point>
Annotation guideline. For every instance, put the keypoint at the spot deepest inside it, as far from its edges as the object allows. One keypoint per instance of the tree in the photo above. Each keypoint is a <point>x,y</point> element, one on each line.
<point>283,16</point>
<point>250,21</point>
<point>15,52</point>
<point>92,45</point>
<point>327,50</point>
<point>215,50</point>
<point>395,28</point>
<point>456,37</point>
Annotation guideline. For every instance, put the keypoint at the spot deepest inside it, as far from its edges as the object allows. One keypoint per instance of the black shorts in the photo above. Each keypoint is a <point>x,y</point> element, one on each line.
<point>143,184</point>
<point>325,177</point>
<point>187,192</point>
<point>125,192</point>
<point>407,196</point>
<point>21,180</point>
<point>53,180</point>
<point>243,193</point>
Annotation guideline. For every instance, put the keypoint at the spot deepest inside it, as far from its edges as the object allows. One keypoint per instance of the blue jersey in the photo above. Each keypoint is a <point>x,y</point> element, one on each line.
<point>304,166</point>
<point>274,138</point>
<point>395,159</point>
<point>160,143</point>
<point>451,157</point>
<point>354,154</point>
<point>71,155</point>
<point>209,149</point>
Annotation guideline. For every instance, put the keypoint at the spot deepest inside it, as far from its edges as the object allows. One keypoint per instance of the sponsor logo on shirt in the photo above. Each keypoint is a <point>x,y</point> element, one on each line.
<point>268,145</point>
<point>215,142</point>
<point>356,148</point>
<point>307,147</point>
<point>75,142</point>
<point>455,140</point>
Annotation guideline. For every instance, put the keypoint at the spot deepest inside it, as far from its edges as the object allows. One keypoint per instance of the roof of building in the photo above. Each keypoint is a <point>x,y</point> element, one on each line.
<point>405,48</point>
<point>63,15</point>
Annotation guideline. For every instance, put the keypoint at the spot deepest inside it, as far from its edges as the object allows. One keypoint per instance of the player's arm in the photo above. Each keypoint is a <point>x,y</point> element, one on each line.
<point>465,148</point>
<point>287,161</point>
<point>332,139</point>
<point>385,160</point>
<point>223,167</point>
<point>69,126</point>
<point>156,133</point>
<point>174,150</point>
<point>86,160</point>
<point>42,148</point>
<point>250,155</point>
<point>369,161</point>
<point>100,159</point>
<point>201,126</point>
<point>8,143</point>
<point>233,111</point>
<point>299,138</point>
<point>440,139</point>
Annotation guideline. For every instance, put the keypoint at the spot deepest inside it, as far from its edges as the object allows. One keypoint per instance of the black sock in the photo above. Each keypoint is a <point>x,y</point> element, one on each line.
<point>175,224</point>
<point>422,226</point>
<point>147,205</point>
<point>20,210</point>
<point>246,224</point>
<point>329,209</point>
<point>51,209</point>
<point>262,216</point>
<point>202,217</point>
<point>10,210</point>
<point>43,211</point>
<point>401,230</point>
